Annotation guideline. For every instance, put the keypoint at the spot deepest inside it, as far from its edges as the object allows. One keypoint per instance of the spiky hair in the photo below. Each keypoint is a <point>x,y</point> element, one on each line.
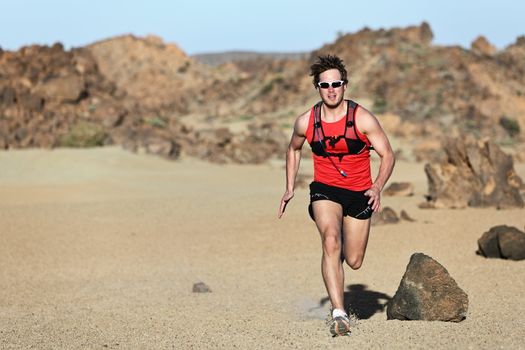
<point>327,62</point>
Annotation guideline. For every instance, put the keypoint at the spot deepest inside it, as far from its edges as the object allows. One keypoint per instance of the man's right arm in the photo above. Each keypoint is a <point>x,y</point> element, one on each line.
<point>293,158</point>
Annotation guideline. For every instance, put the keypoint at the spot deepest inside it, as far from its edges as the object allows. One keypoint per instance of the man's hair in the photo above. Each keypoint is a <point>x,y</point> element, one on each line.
<point>325,63</point>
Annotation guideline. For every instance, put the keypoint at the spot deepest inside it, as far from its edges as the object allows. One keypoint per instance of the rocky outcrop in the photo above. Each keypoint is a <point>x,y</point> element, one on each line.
<point>475,174</point>
<point>150,71</point>
<point>50,97</point>
<point>455,89</point>
<point>45,92</point>
<point>256,145</point>
<point>482,46</point>
<point>504,242</point>
<point>145,86</point>
<point>427,292</point>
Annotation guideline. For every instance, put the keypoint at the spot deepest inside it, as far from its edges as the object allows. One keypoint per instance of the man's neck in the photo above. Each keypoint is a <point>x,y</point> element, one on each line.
<point>333,113</point>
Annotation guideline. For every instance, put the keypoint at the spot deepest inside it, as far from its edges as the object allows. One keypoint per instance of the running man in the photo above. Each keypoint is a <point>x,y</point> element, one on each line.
<point>342,194</point>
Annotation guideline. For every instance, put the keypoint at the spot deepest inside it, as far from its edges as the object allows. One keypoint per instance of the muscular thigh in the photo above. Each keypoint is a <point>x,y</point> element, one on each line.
<point>355,233</point>
<point>328,216</point>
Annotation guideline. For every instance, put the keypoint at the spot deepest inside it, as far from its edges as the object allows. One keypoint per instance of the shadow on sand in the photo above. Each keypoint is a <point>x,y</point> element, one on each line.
<point>362,302</point>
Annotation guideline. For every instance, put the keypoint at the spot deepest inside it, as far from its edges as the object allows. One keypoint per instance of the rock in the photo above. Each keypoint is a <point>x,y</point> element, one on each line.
<point>504,242</point>
<point>475,174</point>
<point>68,89</point>
<point>482,46</point>
<point>201,287</point>
<point>108,114</point>
<point>427,292</point>
<point>512,244</point>
<point>31,102</point>
<point>8,96</point>
<point>162,147</point>
<point>399,189</point>
<point>488,244</point>
<point>404,216</point>
<point>386,216</point>
<point>429,151</point>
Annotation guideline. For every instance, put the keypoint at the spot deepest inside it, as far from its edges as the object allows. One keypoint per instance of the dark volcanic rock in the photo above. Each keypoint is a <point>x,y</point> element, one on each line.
<point>488,244</point>
<point>504,242</point>
<point>427,292</point>
<point>201,287</point>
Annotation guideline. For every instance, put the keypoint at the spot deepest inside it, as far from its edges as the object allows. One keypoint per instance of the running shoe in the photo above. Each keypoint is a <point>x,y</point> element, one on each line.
<point>339,326</point>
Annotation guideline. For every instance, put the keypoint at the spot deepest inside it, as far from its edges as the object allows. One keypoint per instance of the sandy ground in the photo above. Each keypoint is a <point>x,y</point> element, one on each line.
<point>100,249</point>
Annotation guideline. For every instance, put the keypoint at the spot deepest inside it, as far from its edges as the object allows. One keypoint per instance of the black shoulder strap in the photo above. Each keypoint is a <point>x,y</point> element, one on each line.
<point>317,120</point>
<point>317,114</point>
<point>353,118</point>
<point>350,122</point>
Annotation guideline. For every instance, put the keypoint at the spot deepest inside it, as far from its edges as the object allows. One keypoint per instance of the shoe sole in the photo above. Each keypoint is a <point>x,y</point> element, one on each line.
<point>340,328</point>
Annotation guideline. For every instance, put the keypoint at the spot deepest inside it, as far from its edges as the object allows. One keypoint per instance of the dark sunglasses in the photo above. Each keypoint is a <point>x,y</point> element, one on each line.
<point>334,84</point>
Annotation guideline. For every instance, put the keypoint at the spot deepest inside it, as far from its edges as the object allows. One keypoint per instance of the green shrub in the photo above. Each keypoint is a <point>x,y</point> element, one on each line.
<point>83,134</point>
<point>246,117</point>
<point>156,122</point>
<point>510,125</point>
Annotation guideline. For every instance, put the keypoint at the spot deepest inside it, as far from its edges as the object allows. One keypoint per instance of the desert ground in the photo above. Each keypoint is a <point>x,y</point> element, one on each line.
<point>100,248</point>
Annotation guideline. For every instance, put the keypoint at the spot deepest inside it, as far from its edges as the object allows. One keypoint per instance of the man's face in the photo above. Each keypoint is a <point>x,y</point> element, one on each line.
<point>331,96</point>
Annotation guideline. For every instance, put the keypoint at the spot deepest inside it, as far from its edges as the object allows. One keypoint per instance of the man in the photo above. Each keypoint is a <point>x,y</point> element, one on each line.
<point>342,195</point>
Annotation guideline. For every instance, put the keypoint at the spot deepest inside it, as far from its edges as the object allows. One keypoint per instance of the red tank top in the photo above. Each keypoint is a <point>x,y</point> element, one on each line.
<point>356,166</point>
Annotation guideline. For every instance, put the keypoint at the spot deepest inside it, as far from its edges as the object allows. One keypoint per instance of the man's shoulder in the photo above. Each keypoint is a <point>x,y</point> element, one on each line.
<point>365,119</point>
<point>305,115</point>
<point>301,123</point>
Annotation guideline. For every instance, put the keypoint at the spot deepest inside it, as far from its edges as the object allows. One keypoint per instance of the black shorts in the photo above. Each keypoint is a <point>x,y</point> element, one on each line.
<point>354,203</point>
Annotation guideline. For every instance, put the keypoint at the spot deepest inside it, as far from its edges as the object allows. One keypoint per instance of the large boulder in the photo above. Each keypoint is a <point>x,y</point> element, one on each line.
<point>504,242</point>
<point>427,292</point>
<point>475,174</point>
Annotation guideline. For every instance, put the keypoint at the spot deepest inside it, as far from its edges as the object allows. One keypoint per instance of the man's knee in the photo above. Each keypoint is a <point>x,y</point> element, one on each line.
<point>354,262</point>
<point>331,244</point>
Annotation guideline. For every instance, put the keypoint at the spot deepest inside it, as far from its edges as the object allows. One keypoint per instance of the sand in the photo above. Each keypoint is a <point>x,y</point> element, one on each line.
<point>100,248</point>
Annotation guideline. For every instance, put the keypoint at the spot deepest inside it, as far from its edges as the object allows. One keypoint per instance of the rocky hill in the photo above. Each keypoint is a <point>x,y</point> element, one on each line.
<point>150,96</point>
<point>218,58</point>
<point>458,90</point>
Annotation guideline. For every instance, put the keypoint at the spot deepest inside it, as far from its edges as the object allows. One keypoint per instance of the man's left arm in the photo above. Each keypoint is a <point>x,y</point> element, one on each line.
<point>368,124</point>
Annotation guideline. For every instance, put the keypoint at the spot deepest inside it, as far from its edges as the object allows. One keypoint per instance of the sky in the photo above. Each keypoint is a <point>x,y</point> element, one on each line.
<point>198,26</point>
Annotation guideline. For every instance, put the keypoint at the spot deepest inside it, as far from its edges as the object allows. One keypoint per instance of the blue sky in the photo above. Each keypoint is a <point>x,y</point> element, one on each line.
<point>198,26</point>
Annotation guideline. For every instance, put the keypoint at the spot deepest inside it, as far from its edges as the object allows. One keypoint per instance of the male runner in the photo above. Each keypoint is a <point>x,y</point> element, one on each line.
<point>342,195</point>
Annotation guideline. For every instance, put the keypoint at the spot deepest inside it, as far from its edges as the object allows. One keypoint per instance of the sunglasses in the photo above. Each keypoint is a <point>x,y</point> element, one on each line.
<point>334,84</point>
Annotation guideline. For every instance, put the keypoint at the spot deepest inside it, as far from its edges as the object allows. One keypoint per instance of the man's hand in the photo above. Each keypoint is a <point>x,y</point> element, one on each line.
<point>375,198</point>
<point>288,195</point>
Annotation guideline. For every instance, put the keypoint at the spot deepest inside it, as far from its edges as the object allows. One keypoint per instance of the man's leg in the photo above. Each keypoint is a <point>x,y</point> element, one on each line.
<point>355,233</point>
<point>328,217</point>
